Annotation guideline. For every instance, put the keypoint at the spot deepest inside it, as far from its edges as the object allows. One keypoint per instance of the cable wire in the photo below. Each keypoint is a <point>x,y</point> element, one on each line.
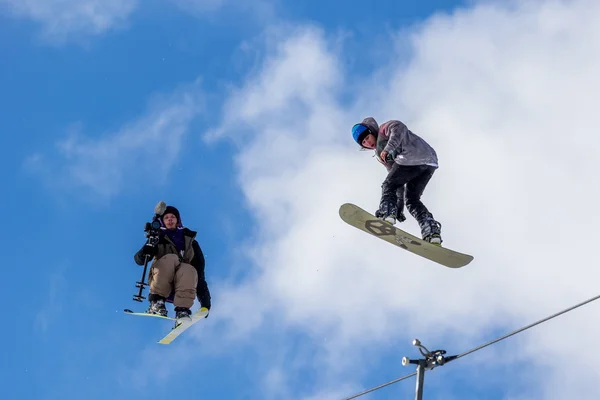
<point>483,345</point>
<point>380,386</point>
<point>528,326</point>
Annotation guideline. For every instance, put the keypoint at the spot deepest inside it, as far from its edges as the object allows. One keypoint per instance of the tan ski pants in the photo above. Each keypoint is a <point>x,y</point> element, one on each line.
<point>169,273</point>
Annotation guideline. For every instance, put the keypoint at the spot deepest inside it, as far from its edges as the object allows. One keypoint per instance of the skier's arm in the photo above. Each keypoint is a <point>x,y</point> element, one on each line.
<point>199,263</point>
<point>140,256</point>
<point>396,132</point>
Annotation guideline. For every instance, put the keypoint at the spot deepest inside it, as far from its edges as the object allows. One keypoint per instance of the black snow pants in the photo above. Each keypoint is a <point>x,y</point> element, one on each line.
<point>404,185</point>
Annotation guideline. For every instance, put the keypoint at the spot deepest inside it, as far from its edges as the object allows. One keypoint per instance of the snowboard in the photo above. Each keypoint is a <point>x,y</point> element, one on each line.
<point>367,222</point>
<point>179,326</point>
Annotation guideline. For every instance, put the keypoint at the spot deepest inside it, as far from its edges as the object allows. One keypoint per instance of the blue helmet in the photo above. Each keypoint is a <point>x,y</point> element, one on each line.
<point>359,131</point>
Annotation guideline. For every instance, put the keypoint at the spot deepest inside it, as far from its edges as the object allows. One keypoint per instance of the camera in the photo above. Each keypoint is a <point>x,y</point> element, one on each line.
<point>152,230</point>
<point>152,227</point>
<point>153,233</point>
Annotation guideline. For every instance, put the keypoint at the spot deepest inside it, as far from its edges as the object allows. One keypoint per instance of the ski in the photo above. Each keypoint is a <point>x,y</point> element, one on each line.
<point>183,324</point>
<point>143,314</point>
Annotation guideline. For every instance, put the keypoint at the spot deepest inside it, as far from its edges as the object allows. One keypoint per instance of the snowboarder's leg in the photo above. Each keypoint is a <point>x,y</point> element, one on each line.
<point>430,228</point>
<point>186,280</point>
<point>391,192</point>
<point>400,203</point>
<point>161,278</point>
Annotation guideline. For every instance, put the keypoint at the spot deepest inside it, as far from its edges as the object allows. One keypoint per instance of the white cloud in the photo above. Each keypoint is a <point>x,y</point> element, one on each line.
<point>64,20</point>
<point>146,147</point>
<point>77,20</point>
<point>507,96</point>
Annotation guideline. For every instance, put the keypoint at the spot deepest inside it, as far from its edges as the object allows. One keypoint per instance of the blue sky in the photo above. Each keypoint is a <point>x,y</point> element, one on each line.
<point>240,116</point>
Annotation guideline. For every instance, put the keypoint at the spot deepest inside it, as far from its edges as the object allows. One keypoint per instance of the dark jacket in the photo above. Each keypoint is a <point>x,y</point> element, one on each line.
<point>192,254</point>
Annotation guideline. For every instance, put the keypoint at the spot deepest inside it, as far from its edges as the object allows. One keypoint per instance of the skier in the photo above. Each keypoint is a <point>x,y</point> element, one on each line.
<point>177,270</point>
<point>410,162</point>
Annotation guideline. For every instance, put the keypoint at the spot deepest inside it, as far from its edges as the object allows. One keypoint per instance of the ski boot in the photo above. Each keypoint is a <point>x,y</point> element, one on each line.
<point>182,312</point>
<point>157,305</point>
<point>431,231</point>
<point>389,212</point>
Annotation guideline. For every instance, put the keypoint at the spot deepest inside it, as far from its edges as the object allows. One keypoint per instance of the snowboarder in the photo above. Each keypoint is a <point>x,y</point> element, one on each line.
<point>410,162</point>
<point>177,269</point>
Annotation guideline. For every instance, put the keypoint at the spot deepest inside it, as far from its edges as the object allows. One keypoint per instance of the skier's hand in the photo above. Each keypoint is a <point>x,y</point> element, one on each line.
<point>149,250</point>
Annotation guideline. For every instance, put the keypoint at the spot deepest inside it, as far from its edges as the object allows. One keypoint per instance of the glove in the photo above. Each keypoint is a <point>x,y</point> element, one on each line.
<point>149,250</point>
<point>389,157</point>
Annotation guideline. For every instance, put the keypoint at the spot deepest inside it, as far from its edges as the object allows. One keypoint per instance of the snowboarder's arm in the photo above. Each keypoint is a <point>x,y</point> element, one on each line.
<point>396,132</point>
<point>199,263</point>
<point>386,165</point>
